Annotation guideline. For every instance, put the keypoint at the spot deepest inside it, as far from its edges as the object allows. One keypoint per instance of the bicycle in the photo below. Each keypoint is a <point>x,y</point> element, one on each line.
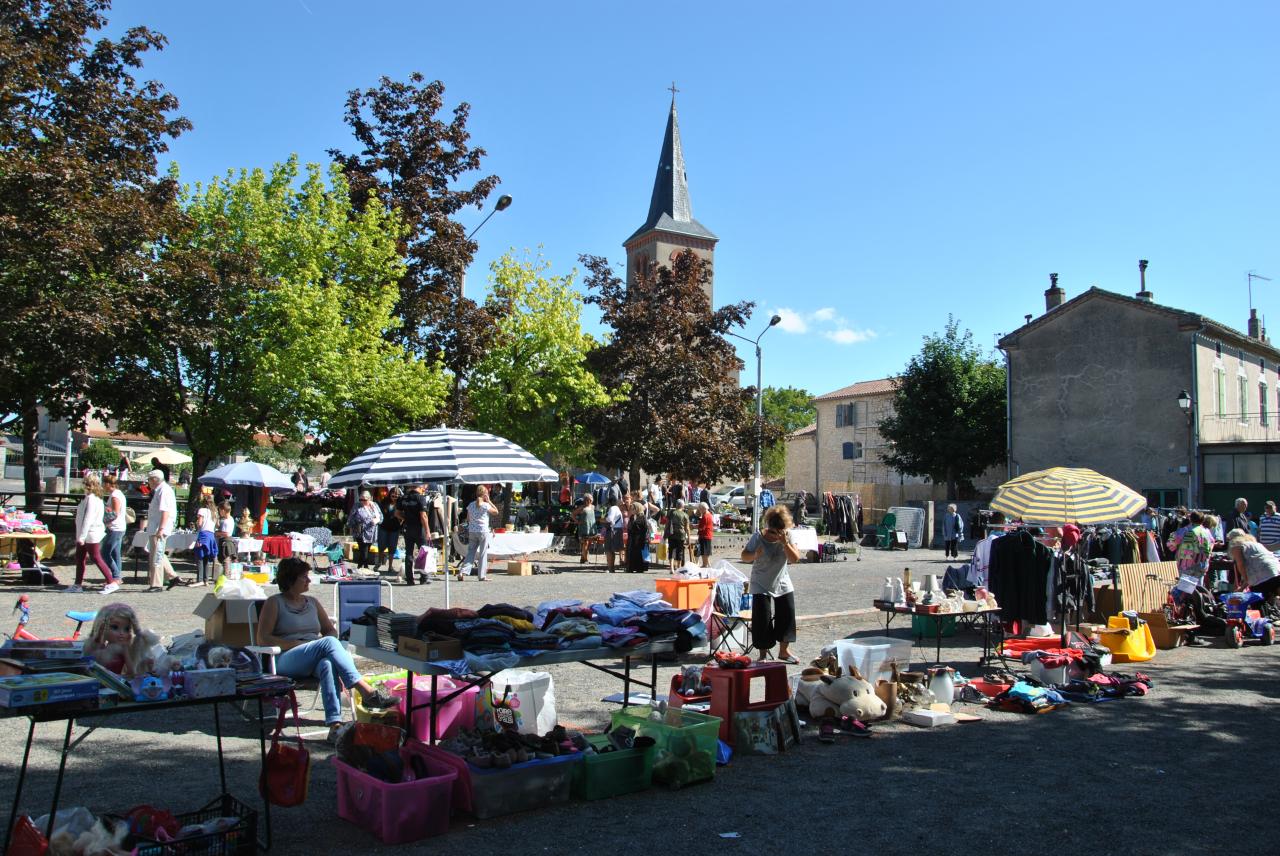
<point>23,606</point>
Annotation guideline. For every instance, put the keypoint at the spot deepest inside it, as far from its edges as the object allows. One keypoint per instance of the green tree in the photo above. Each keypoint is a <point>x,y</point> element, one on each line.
<point>80,203</point>
<point>684,412</point>
<point>286,293</point>
<point>533,385</point>
<point>949,412</point>
<point>99,454</point>
<point>787,409</point>
<point>417,162</point>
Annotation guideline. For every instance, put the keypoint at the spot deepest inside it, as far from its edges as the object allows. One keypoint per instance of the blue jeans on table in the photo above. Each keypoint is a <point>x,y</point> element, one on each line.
<point>111,552</point>
<point>326,659</point>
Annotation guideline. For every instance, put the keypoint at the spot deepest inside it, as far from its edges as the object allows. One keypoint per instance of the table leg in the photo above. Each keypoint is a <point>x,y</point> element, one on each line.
<point>262,750</point>
<point>626,682</point>
<point>408,702</point>
<point>17,794</point>
<point>217,730</point>
<point>937,628</point>
<point>653,677</point>
<point>435,710</point>
<point>57,788</point>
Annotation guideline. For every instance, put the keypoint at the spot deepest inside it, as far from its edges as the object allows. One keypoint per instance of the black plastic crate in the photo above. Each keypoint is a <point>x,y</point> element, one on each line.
<point>238,840</point>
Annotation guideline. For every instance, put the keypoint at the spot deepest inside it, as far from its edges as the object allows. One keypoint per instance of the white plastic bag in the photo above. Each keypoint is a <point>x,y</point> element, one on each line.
<point>723,570</point>
<point>530,696</point>
<point>241,589</point>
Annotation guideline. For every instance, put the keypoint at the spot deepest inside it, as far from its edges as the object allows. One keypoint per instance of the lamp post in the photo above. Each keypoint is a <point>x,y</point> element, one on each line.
<point>503,203</point>
<point>1185,405</point>
<point>755,486</point>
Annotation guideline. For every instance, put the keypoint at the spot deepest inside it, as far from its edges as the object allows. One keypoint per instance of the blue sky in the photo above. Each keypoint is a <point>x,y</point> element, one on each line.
<point>869,169</point>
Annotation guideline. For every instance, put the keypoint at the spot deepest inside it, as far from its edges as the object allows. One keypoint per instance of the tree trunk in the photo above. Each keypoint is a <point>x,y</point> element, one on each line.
<point>32,486</point>
<point>199,463</point>
<point>951,485</point>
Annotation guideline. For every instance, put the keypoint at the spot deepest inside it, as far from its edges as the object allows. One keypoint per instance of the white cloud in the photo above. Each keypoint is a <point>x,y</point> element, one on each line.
<point>826,313</point>
<point>849,336</point>
<point>792,321</point>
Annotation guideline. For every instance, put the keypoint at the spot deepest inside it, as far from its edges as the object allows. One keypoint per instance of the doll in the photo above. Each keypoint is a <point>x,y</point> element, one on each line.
<point>118,642</point>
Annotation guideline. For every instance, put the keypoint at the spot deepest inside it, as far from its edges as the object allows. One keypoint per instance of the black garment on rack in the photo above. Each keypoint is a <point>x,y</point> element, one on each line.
<point>1073,575</point>
<point>1019,577</point>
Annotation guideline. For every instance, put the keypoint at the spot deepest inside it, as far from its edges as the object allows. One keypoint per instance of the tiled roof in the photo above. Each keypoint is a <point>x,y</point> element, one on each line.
<point>866,387</point>
<point>805,431</point>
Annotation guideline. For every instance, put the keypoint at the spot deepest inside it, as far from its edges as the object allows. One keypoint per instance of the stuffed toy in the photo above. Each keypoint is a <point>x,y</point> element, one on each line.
<point>807,688</point>
<point>849,696</point>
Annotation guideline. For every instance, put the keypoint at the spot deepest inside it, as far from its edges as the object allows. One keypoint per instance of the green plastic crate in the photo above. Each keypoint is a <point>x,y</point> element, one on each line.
<point>923,625</point>
<point>612,774</point>
<point>685,742</point>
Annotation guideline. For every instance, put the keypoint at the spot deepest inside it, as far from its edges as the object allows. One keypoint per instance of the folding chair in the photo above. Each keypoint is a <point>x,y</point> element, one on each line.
<point>730,627</point>
<point>352,597</point>
<point>885,533</point>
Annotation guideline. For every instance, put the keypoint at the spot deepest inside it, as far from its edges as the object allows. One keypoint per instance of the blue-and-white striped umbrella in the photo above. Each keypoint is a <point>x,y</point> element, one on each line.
<point>448,455</point>
<point>248,473</point>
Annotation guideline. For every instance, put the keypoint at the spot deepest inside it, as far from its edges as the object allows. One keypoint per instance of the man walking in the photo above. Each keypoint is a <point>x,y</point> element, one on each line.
<point>161,515</point>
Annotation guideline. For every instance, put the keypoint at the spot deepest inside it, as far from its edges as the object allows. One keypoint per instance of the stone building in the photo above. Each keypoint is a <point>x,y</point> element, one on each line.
<point>670,227</point>
<point>1096,381</point>
<point>843,451</point>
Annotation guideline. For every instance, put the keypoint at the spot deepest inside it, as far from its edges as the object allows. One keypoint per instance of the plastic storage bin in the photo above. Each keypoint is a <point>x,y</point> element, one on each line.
<point>401,812</point>
<point>685,742</point>
<point>612,774</point>
<point>872,655</point>
<point>457,713</point>
<point>927,625</point>
<point>240,840</point>
<point>682,593</point>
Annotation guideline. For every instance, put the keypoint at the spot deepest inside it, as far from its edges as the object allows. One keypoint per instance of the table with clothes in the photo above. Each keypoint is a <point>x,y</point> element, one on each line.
<point>180,541</point>
<point>277,546</point>
<point>629,625</point>
<point>508,543</point>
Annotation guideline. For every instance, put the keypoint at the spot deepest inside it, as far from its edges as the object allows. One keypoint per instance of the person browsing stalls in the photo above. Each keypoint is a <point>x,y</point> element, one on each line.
<point>773,601</point>
<point>298,625</point>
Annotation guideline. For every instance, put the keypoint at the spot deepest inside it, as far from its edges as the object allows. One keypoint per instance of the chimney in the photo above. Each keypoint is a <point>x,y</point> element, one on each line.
<point>1255,326</point>
<point>1143,294</point>
<point>1053,295</point>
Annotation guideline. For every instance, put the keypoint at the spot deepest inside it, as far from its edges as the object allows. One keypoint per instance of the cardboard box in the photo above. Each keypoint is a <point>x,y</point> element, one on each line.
<point>228,621</point>
<point>51,688</point>
<point>520,569</point>
<point>1166,637</point>
<point>434,647</point>
<point>210,683</point>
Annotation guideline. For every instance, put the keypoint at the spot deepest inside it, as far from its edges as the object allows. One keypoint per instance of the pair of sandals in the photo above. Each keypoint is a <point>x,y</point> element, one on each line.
<point>846,725</point>
<point>790,659</point>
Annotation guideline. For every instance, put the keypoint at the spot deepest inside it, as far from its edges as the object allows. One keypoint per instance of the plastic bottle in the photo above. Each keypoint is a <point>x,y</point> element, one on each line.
<point>906,578</point>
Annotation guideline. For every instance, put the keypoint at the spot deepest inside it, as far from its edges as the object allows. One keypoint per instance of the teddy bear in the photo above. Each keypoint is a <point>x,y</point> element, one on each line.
<point>849,695</point>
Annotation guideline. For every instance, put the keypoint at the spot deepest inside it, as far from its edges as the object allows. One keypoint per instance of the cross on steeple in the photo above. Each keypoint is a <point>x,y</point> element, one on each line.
<point>673,90</point>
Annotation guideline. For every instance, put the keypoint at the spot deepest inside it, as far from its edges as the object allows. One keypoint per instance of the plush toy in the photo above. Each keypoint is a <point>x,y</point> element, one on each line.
<point>807,688</point>
<point>849,695</point>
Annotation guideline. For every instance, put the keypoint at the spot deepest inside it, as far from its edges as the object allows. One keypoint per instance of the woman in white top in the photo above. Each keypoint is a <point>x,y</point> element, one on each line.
<point>90,531</point>
<point>478,533</point>
<point>114,515</point>
<point>206,515</point>
<point>226,536</point>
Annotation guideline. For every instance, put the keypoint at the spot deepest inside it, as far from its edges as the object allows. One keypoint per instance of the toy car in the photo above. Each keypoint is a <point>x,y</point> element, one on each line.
<point>1245,619</point>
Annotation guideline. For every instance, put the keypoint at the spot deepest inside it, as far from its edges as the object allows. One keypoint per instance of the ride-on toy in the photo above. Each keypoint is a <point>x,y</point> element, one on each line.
<point>1245,619</point>
<point>23,607</point>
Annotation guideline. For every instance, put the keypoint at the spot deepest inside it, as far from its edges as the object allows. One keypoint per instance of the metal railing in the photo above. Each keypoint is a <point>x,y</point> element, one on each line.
<point>1240,428</point>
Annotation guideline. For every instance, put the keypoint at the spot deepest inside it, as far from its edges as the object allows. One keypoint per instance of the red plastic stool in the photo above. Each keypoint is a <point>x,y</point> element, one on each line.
<point>674,699</point>
<point>731,692</point>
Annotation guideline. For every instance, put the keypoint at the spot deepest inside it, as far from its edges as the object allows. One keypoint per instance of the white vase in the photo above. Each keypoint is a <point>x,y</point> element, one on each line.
<point>942,683</point>
<point>886,593</point>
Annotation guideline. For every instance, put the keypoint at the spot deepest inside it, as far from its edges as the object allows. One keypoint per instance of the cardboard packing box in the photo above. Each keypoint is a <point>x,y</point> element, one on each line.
<point>228,621</point>
<point>434,647</point>
<point>210,683</point>
<point>520,569</point>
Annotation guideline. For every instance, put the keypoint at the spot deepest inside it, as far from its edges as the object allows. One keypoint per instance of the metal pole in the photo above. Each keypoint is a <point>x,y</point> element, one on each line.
<point>755,505</point>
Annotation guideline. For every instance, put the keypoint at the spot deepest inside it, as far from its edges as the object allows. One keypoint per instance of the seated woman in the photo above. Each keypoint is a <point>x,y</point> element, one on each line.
<point>296,623</point>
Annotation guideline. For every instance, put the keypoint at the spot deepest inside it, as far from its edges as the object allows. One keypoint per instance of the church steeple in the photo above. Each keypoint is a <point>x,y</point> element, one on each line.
<point>670,226</point>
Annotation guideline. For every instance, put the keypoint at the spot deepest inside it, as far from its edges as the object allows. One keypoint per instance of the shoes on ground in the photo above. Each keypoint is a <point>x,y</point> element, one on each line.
<point>73,589</point>
<point>110,587</point>
<point>379,699</point>
<point>155,589</point>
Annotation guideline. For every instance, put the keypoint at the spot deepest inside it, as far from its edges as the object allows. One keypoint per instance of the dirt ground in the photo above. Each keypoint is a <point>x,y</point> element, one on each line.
<point>1174,772</point>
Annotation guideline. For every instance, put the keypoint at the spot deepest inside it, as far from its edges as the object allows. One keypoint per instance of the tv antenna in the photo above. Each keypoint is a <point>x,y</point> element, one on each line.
<point>1251,276</point>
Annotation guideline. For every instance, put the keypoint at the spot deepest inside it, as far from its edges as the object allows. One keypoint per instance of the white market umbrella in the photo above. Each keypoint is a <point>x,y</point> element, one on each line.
<point>164,455</point>
<point>449,455</point>
<point>248,473</point>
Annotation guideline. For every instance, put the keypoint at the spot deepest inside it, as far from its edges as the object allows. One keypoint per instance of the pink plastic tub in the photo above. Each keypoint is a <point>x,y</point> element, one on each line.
<point>458,712</point>
<point>398,813</point>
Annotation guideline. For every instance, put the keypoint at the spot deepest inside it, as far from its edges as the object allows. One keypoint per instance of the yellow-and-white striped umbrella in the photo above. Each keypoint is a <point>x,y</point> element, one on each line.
<point>1067,495</point>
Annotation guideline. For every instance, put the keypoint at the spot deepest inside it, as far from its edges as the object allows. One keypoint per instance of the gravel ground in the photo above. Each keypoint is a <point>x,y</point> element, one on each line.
<point>1109,776</point>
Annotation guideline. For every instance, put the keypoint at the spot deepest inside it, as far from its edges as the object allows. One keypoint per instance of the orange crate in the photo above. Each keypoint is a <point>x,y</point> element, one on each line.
<point>684,594</point>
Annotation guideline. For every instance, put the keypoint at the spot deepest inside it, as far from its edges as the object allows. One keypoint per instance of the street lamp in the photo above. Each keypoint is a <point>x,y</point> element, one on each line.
<point>1184,404</point>
<point>755,486</point>
<point>503,203</point>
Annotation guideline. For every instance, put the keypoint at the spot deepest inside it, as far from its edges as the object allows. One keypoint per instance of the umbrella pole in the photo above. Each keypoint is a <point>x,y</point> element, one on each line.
<point>448,543</point>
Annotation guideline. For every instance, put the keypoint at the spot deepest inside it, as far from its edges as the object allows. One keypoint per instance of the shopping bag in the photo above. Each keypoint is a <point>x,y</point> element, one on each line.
<point>529,706</point>
<point>286,770</point>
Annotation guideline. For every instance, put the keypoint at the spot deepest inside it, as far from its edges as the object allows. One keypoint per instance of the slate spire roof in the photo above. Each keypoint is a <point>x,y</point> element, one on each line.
<point>669,208</point>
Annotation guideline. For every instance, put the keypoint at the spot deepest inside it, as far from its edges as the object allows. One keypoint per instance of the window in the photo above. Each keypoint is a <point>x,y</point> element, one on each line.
<point>1218,469</point>
<point>852,451</point>
<point>1250,469</point>
<point>1243,382</point>
<point>846,414</point>
<point>1163,498</point>
<point>1220,392</point>
<point>1262,403</point>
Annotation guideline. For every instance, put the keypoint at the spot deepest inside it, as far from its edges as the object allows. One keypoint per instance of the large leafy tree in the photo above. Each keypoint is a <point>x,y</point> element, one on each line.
<point>285,293</point>
<point>422,165</point>
<point>684,412</point>
<point>80,203</point>
<point>949,408</point>
<point>533,385</point>
<point>787,409</point>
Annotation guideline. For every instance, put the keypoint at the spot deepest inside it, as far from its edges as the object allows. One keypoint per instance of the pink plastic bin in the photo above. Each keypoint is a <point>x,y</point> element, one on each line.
<point>398,813</point>
<point>457,713</point>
